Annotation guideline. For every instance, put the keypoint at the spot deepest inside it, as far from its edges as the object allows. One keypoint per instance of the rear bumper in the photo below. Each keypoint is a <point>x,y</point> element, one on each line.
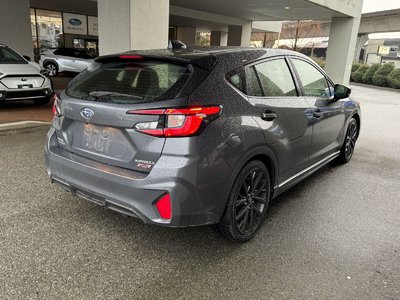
<point>197,197</point>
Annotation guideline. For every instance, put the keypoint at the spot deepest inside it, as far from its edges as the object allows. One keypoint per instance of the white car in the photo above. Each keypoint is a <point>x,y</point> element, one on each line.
<point>21,79</point>
<point>66,60</point>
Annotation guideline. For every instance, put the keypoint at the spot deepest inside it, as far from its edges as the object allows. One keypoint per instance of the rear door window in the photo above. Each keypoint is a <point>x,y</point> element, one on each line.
<point>275,78</point>
<point>131,82</point>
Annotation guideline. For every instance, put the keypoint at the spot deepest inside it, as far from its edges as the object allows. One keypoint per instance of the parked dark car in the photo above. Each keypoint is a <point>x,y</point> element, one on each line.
<point>196,137</point>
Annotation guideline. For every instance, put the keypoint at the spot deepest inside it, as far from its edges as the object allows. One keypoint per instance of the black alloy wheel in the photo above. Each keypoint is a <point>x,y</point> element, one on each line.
<point>346,153</point>
<point>247,204</point>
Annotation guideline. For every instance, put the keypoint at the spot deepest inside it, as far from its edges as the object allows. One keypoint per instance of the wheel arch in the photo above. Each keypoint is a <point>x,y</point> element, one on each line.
<point>266,156</point>
<point>356,116</point>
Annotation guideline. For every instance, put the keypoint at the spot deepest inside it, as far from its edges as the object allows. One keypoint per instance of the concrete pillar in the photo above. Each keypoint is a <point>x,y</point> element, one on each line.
<point>239,35</point>
<point>361,40</point>
<point>341,47</point>
<point>132,25</point>
<point>218,38</point>
<point>187,35</point>
<point>15,24</point>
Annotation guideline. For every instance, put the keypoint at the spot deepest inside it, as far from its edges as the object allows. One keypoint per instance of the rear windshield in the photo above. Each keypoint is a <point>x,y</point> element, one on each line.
<point>130,82</point>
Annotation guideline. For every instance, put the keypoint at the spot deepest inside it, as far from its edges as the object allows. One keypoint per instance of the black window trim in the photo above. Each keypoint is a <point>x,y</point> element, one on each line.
<point>272,58</point>
<point>316,66</point>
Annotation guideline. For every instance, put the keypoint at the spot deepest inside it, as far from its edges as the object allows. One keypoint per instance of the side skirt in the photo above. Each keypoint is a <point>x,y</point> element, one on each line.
<point>288,183</point>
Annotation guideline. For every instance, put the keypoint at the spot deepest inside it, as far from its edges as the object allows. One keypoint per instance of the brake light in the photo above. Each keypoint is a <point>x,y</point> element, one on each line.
<point>57,105</point>
<point>127,56</point>
<point>163,206</point>
<point>177,122</point>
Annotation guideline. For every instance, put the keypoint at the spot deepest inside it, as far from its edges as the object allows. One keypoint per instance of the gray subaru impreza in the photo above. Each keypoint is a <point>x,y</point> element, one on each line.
<point>196,137</point>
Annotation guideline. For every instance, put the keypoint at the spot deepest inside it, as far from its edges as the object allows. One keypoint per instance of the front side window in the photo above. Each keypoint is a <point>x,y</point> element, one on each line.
<point>314,82</point>
<point>276,79</point>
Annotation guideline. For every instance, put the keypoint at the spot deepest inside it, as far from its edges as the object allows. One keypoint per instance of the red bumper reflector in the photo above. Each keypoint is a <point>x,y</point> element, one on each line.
<point>163,206</point>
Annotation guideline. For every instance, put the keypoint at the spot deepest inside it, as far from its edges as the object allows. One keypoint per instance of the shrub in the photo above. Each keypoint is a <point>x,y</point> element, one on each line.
<point>320,61</point>
<point>358,75</point>
<point>354,68</point>
<point>394,79</point>
<point>367,78</point>
<point>380,77</point>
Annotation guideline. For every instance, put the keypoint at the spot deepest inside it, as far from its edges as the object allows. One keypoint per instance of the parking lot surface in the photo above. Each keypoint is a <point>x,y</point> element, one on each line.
<point>336,235</point>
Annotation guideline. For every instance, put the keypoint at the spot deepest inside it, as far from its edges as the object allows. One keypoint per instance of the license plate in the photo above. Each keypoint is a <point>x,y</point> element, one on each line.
<point>25,86</point>
<point>97,138</point>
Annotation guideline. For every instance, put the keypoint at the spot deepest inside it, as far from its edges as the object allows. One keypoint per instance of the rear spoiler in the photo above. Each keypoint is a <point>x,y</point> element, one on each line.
<point>207,62</point>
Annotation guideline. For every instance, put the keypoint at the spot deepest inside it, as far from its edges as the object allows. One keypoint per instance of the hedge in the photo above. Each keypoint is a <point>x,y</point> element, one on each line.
<point>367,78</point>
<point>380,77</point>
<point>358,75</point>
<point>394,79</point>
<point>354,68</point>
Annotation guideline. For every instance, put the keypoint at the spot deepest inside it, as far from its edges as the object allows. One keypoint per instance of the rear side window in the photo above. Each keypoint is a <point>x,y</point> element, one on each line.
<point>236,79</point>
<point>275,78</point>
<point>314,82</point>
<point>131,82</point>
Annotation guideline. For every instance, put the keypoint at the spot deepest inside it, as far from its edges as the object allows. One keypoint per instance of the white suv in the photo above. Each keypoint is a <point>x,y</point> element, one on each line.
<point>66,60</point>
<point>21,79</point>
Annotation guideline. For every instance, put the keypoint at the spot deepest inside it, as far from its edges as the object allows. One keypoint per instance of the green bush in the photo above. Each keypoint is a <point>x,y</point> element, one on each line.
<point>380,77</point>
<point>354,68</point>
<point>358,75</point>
<point>367,78</point>
<point>394,79</point>
<point>320,61</point>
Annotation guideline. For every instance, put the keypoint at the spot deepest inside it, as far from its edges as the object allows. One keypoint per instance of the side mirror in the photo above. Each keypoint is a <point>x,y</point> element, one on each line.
<point>341,92</point>
<point>26,57</point>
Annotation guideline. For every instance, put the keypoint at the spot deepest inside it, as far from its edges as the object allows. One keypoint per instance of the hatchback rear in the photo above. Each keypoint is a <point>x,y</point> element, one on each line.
<point>124,136</point>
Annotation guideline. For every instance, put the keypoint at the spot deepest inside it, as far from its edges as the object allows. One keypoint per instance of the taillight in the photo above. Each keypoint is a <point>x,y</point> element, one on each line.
<point>177,122</point>
<point>57,105</point>
<point>163,206</point>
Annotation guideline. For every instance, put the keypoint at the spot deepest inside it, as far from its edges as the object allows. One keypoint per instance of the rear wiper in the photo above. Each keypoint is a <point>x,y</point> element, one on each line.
<point>105,94</point>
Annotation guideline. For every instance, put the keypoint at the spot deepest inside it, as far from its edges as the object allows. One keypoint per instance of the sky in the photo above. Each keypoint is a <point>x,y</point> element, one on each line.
<point>376,5</point>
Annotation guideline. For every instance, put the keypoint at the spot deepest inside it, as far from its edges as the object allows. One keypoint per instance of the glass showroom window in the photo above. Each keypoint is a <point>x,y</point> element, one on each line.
<point>48,29</point>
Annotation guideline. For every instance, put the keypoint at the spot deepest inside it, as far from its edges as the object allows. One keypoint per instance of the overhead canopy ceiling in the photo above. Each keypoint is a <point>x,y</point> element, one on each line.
<point>261,10</point>
<point>222,12</point>
<point>86,7</point>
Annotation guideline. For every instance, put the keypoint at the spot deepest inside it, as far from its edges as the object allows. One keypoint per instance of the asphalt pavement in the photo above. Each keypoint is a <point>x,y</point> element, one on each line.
<point>336,235</point>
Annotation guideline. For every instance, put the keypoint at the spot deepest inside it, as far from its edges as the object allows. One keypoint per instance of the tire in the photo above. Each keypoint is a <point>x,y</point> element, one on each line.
<point>42,101</point>
<point>51,68</point>
<point>244,215</point>
<point>347,150</point>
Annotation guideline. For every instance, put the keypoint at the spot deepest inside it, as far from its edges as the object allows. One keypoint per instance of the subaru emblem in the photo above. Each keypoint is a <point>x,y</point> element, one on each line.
<point>87,113</point>
<point>75,22</point>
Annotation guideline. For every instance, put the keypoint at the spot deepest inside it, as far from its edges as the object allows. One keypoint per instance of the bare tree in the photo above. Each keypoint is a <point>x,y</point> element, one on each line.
<point>297,33</point>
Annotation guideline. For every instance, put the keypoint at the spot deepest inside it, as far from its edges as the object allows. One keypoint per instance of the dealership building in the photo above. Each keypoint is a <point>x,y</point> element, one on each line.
<point>110,26</point>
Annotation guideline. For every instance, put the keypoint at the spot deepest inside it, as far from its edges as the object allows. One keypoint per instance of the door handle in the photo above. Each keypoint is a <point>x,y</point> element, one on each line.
<point>317,113</point>
<point>268,116</point>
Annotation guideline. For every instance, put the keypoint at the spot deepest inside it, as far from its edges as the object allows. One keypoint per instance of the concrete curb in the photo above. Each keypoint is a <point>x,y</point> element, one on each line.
<point>375,87</point>
<point>13,126</point>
